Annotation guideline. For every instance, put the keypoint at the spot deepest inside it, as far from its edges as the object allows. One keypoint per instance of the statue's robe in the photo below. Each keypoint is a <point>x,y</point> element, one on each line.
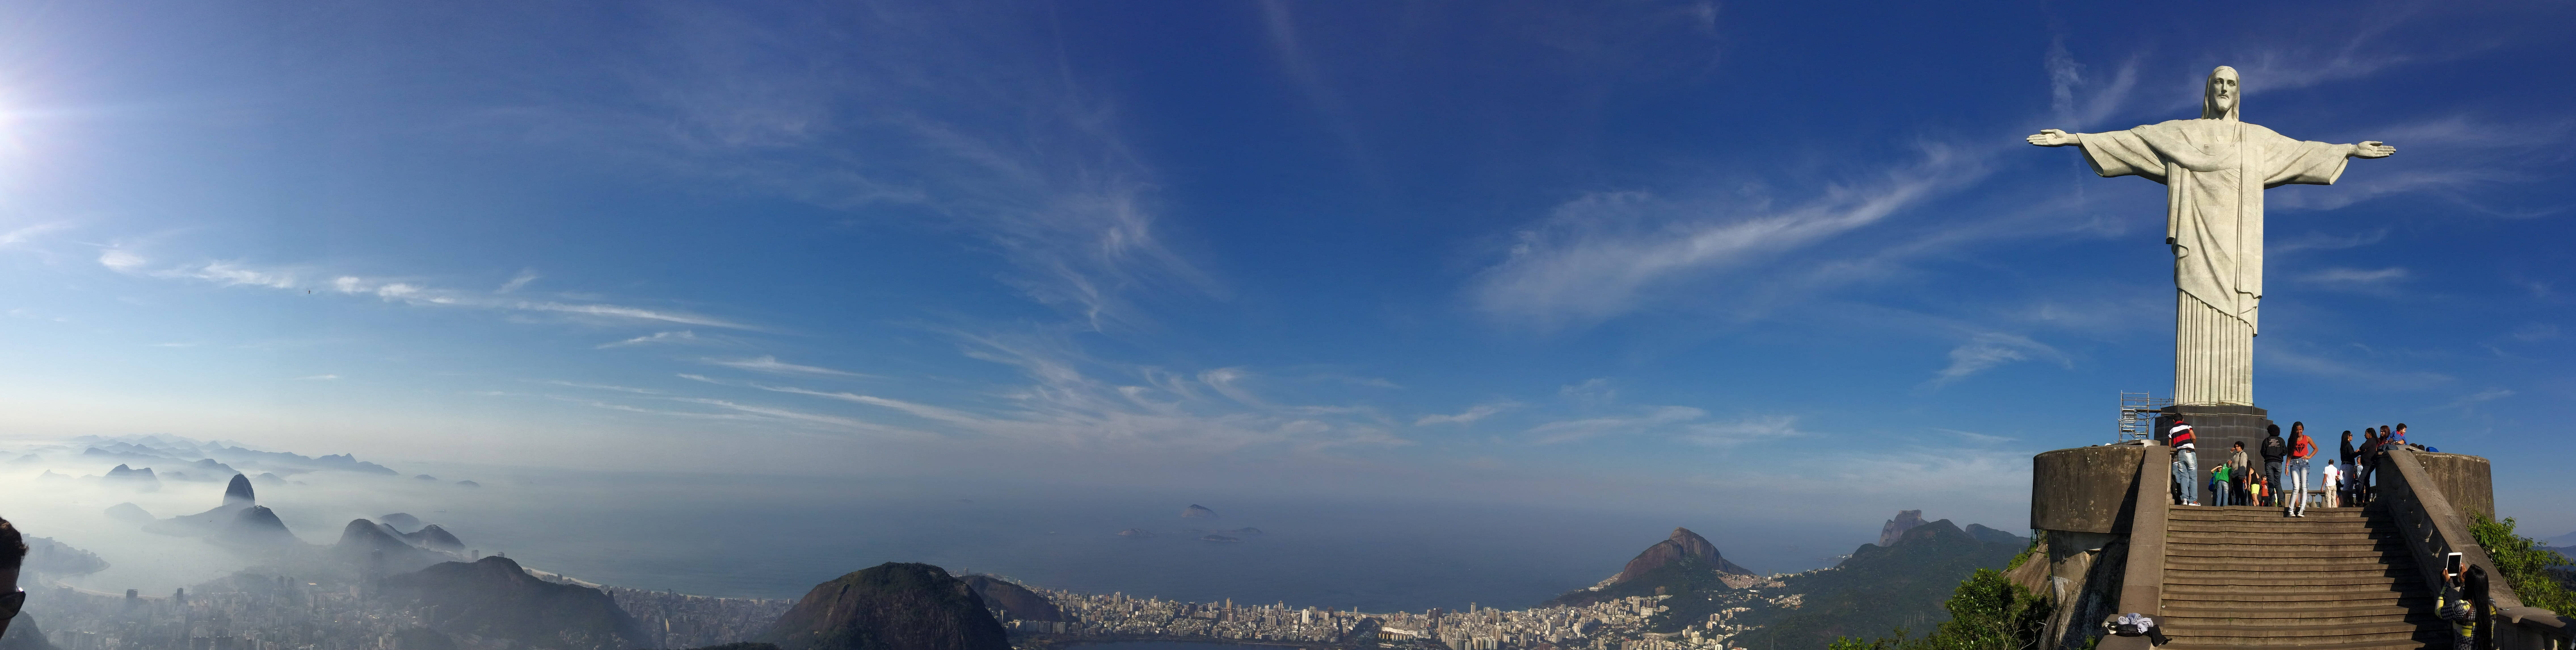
<point>2214,172</point>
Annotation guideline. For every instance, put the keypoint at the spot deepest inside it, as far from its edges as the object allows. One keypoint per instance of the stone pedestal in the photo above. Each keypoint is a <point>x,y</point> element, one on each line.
<point>2215,427</point>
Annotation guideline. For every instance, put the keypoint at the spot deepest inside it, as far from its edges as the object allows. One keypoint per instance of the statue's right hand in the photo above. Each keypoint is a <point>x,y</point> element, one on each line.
<point>2052,138</point>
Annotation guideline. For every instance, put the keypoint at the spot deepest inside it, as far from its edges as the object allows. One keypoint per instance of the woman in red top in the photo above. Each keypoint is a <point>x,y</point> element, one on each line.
<point>2295,494</point>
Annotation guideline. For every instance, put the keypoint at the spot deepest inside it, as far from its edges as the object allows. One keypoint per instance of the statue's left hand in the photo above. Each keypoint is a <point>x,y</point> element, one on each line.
<point>2054,138</point>
<point>2372,149</point>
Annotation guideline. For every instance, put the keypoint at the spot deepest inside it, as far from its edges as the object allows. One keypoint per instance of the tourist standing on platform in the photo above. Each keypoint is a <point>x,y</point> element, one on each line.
<point>2365,464</point>
<point>2221,492</point>
<point>2296,490</point>
<point>2332,483</point>
<point>2236,474</point>
<point>2400,435</point>
<point>2275,451</point>
<point>2186,465</point>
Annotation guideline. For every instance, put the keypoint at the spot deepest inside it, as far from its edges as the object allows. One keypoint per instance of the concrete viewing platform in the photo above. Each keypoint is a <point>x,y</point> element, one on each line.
<point>2114,542</point>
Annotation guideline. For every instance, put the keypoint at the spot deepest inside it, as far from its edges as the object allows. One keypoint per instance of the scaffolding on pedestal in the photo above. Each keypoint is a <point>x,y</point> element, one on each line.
<point>2138,413</point>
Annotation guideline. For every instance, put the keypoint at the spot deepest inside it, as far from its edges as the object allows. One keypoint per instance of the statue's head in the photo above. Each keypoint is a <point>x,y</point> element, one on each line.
<point>2220,97</point>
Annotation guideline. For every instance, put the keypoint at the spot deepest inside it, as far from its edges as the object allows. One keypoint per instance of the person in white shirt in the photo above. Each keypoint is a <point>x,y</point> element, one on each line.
<point>2332,484</point>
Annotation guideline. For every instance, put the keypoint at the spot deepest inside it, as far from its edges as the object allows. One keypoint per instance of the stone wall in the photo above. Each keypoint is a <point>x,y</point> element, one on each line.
<point>2085,489</point>
<point>2464,481</point>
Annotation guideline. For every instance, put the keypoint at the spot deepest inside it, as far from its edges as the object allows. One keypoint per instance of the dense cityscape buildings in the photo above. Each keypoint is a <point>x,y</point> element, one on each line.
<point>1610,625</point>
<point>253,612</point>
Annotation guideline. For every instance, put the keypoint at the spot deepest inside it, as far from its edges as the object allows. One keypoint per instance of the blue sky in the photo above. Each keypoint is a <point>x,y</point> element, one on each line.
<point>1785,263</point>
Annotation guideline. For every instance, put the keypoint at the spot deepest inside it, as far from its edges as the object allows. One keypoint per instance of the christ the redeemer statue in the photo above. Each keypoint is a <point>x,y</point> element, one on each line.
<point>2214,170</point>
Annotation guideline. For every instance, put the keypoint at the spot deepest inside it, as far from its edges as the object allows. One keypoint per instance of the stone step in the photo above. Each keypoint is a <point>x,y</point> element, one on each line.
<point>2240,542</point>
<point>2268,538</point>
<point>2295,610</point>
<point>2358,617</point>
<point>2187,594</point>
<point>2270,556</point>
<point>2415,641</point>
<point>2300,630</point>
<point>2368,572</point>
<point>2253,580</point>
<point>2288,562</point>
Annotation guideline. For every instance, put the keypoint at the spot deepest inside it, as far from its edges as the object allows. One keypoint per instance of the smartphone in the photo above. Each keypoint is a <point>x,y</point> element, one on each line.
<point>2451,565</point>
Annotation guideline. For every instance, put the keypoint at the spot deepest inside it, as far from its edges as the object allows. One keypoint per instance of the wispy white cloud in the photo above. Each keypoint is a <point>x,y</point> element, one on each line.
<point>1650,418</point>
<point>520,280</point>
<point>962,114</point>
<point>318,377</point>
<point>680,336</point>
<point>608,387</point>
<point>1722,434</point>
<point>770,364</point>
<point>1600,256</point>
<point>1469,416</point>
<point>2352,276</point>
<point>2473,399</point>
<point>2318,241</point>
<point>235,274</point>
<point>2331,367</point>
<point>118,259</point>
<point>1990,349</point>
<point>23,234</point>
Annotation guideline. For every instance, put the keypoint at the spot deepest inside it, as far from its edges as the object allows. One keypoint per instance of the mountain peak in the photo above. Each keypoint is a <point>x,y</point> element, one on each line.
<point>1682,544</point>
<point>1895,528</point>
<point>238,492</point>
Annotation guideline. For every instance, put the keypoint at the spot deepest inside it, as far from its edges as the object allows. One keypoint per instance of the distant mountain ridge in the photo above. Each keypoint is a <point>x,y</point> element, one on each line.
<point>891,606</point>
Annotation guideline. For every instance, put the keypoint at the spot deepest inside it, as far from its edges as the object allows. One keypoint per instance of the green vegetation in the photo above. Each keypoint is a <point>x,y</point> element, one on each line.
<point>2538,575</point>
<point>1879,588</point>
<point>1986,613</point>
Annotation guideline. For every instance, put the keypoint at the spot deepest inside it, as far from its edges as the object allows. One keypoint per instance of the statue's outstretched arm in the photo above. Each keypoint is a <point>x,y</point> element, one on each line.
<point>2058,138</point>
<point>2367,149</point>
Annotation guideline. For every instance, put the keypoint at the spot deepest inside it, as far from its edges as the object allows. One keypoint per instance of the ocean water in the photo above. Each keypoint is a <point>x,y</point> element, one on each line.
<point>776,537</point>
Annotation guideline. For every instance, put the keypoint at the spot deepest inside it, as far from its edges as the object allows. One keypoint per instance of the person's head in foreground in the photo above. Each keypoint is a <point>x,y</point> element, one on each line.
<point>13,553</point>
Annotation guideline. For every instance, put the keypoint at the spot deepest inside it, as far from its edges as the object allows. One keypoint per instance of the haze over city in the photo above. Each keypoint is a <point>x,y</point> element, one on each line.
<point>1475,296</point>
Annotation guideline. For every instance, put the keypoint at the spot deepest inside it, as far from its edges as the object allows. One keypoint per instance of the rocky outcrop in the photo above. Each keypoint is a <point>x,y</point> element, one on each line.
<point>129,513</point>
<point>1984,534</point>
<point>48,557</point>
<point>138,479</point>
<point>494,598</point>
<point>1682,544</point>
<point>1015,601</point>
<point>436,538</point>
<point>255,527</point>
<point>238,491</point>
<point>1682,564</point>
<point>363,543</point>
<point>891,606</point>
<point>1196,511</point>
<point>1905,520</point>
<point>400,521</point>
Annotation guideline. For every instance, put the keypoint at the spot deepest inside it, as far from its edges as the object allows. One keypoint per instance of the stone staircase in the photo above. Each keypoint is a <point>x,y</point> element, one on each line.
<point>2339,578</point>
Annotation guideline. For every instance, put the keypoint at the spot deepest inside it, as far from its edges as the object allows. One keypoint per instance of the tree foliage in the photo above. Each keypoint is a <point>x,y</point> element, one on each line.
<point>1987,612</point>
<point>2526,566</point>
